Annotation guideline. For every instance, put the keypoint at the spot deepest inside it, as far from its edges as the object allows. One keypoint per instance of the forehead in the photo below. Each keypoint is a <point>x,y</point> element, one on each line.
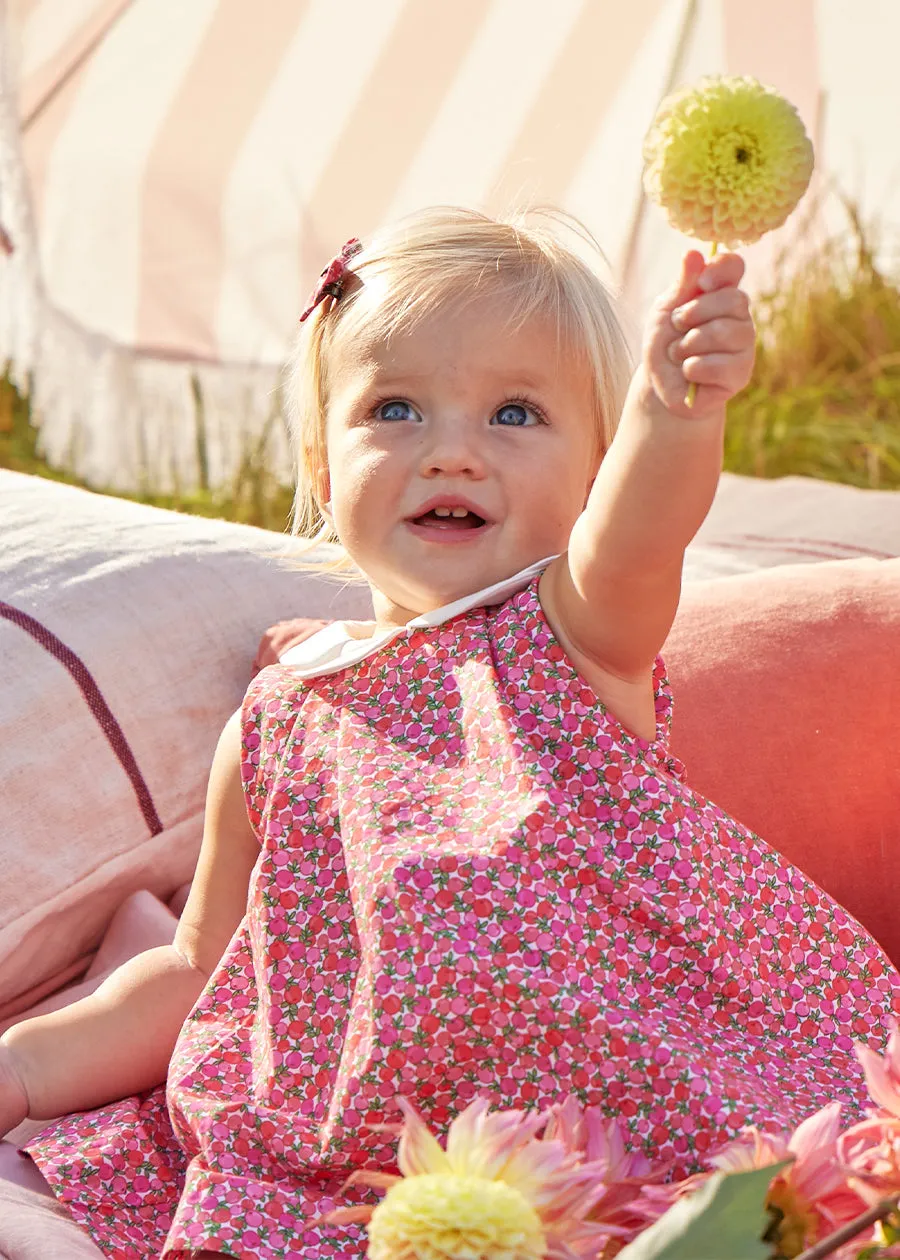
<point>466,337</point>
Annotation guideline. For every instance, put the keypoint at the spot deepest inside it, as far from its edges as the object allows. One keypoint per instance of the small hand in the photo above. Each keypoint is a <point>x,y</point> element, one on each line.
<point>278,638</point>
<point>701,332</point>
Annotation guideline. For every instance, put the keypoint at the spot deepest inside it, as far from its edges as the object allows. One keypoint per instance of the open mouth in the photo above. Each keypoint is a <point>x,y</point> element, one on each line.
<point>450,519</point>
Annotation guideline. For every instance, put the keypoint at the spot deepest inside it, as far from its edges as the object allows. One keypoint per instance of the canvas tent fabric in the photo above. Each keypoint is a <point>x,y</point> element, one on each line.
<point>173,177</point>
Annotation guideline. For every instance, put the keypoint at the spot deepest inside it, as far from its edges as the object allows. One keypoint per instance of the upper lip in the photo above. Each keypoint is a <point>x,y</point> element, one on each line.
<point>449,501</point>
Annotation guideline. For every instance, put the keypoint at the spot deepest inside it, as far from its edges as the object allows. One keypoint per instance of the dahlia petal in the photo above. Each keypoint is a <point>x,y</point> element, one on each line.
<point>531,1169</point>
<point>892,1052</point>
<point>574,1198</point>
<point>418,1151</point>
<point>483,1145</point>
<point>870,1151</point>
<point>464,1136</point>
<point>567,1124</point>
<point>373,1179</point>
<point>884,1089</point>
<point>751,1149</point>
<point>605,1144</point>
<point>817,1133</point>
<point>346,1216</point>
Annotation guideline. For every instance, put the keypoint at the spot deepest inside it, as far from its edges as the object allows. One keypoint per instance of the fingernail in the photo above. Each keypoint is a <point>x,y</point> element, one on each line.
<point>706,281</point>
<point>678,317</point>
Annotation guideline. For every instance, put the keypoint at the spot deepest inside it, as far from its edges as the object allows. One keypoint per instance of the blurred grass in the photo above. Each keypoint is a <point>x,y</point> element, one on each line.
<point>824,400</point>
<point>254,496</point>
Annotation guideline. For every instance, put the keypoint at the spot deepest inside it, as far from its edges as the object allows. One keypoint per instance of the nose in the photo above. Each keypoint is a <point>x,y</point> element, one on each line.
<point>453,447</point>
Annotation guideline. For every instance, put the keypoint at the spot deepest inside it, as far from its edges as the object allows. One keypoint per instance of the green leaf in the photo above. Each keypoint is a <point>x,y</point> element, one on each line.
<point>724,1220</point>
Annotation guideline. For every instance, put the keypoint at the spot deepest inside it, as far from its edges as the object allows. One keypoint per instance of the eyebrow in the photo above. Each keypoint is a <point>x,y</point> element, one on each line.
<point>523,378</point>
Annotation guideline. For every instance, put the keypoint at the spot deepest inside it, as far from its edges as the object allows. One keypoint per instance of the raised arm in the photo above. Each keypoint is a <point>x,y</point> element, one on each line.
<point>612,599</point>
<point>118,1040</point>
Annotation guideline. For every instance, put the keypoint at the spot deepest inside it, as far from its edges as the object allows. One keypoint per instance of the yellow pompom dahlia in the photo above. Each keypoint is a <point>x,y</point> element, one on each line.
<point>445,1216</point>
<point>498,1192</point>
<point>727,160</point>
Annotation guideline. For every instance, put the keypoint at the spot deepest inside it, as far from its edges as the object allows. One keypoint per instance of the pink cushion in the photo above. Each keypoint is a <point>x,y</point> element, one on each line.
<point>787,714</point>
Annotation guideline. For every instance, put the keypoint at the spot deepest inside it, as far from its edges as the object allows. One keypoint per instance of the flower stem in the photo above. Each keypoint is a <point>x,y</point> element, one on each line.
<point>692,388</point>
<point>828,1246</point>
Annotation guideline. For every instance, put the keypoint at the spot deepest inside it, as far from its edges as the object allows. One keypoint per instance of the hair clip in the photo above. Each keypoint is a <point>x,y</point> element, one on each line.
<point>331,281</point>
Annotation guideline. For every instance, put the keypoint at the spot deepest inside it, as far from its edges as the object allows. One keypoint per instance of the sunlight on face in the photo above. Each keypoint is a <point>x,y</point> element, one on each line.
<point>459,452</point>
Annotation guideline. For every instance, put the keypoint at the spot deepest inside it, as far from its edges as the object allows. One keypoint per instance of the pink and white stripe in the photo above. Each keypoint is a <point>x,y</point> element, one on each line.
<point>182,171</point>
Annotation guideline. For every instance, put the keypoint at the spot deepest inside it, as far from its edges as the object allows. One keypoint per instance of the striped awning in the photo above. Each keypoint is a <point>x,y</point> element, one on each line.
<point>174,175</point>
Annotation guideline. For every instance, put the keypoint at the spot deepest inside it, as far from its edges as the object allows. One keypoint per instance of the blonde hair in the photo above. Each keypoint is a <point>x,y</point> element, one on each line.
<point>442,255</point>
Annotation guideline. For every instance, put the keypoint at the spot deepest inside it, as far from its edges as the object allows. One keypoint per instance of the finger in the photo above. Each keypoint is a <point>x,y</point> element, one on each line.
<point>722,304</point>
<point>686,286</point>
<point>727,336</point>
<point>721,271</point>
<point>724,370</point>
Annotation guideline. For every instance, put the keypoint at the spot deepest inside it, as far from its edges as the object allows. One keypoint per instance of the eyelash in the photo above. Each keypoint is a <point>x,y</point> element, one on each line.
<point>376,406</point>
<point>521,400</point>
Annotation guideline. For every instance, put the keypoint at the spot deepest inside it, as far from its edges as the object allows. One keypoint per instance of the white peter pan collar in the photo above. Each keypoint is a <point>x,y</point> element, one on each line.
<point>345,643</point>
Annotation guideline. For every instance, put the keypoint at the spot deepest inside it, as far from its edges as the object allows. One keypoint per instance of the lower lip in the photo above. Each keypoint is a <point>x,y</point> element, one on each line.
<point>447,533</point>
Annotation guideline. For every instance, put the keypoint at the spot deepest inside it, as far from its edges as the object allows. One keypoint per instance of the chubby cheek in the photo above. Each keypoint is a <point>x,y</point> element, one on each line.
<point>557,500</point>
<point>360,495</point>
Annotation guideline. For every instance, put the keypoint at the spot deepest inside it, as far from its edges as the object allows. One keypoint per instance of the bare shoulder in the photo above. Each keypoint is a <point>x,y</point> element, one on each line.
<point>630,700</point>
<point>229,850</point>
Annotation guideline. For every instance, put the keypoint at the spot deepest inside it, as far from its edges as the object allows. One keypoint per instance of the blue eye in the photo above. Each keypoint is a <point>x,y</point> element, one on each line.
<point>514,415</point>
<point>396,409</point>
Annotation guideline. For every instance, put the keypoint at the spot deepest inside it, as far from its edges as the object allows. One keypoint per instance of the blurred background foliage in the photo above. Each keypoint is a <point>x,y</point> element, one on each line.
<point>824,400</point>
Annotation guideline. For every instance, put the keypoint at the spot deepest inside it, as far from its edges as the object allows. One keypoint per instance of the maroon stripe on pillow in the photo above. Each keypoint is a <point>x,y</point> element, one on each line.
<point>99,708</point>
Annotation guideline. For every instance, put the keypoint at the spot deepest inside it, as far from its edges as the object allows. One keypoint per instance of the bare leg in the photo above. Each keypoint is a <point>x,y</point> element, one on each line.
<point>141,922</point>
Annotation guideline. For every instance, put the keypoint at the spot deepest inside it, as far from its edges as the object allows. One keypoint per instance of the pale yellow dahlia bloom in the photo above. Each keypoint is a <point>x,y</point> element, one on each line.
<point>446,1216</point>
<point>498,1192</point>
<point>727,160</point>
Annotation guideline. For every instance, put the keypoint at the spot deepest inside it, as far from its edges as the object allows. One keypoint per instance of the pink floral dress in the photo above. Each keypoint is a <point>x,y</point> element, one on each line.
<point>472,881</point>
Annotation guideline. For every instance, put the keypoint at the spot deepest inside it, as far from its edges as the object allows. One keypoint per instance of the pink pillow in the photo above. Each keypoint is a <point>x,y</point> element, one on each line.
<point>787,714</point>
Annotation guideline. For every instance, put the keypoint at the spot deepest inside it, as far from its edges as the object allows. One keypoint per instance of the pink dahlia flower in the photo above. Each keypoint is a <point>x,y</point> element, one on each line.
<point>811,1197</point>
<point>495,1190</point>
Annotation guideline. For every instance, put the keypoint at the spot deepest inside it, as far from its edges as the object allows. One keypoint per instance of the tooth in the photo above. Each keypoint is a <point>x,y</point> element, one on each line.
<point>442,511</point>
<point>460,512</point>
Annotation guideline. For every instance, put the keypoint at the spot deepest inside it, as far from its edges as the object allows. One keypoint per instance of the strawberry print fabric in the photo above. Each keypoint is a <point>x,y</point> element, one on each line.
<point>472,881</point>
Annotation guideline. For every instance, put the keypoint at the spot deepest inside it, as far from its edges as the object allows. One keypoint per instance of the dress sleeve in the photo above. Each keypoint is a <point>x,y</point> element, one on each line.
<point>665,704</point>
<point>269,714</point>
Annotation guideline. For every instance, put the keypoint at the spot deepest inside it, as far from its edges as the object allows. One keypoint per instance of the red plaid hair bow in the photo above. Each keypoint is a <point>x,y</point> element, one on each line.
<point>331,281</point>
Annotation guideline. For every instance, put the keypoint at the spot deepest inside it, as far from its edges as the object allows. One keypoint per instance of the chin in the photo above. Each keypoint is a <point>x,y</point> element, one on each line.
<point>437,595</point>
<point>424,591</point>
